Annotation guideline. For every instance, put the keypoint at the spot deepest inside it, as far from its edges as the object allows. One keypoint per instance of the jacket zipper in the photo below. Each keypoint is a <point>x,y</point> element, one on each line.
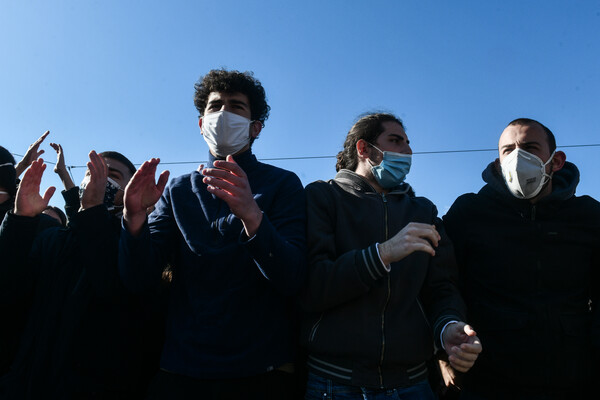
<point>313,330</point>
<point>389,292</point>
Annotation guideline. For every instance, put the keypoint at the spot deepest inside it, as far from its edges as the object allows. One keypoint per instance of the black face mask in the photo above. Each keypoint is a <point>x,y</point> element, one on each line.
<point>110,193</point>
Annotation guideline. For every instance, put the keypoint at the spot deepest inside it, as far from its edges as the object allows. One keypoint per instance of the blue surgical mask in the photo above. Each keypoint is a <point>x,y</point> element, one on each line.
<point>392,170</point>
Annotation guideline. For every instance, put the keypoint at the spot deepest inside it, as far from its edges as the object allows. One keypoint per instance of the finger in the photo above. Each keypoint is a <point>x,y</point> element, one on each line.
<point>48,194</point>
<point>200,168</point>
<point>162,181</point>
<point>230,165</point>
<point>41,139</point>
<point>225,176</point>
<point>427,232</point>
<point>220,193</point>
<point>467,348</point>
<point>421,245</point>
<point>221,184</point>
<point>469,330</point>
<point>55,147</point>
<point>460,365</point>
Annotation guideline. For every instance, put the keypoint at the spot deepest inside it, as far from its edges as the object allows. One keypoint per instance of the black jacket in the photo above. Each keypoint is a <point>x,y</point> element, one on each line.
<point>85,335</point>
<point>368,327</point>
<point>528,272</point>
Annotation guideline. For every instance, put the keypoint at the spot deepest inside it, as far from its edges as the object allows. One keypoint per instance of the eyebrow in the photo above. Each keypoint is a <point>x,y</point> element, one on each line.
<point>522,144</point>
<point>400,137</point>
<point>116,170</point>
<point>240,102</point>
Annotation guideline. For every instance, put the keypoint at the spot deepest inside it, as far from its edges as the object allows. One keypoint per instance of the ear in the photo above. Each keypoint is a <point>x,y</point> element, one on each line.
<point>558,161</point>
<point>200,125</point>
<point>255,129</point>
<point>362,148</point>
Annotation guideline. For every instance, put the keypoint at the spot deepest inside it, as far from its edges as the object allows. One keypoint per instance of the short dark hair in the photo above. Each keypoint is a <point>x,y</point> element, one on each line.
<point>115,155</point>
<point>530,122</point>
<point>60,213</point>
<point>368,127</point>
<point>220,80</point>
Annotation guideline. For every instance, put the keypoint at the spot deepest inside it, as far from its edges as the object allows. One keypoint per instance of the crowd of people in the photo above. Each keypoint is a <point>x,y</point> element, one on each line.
<point>236,282</point>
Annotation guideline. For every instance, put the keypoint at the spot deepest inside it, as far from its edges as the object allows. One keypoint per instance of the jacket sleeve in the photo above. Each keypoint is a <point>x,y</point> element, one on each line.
<point>17,273</point>
<point>440,293</point>
<point>96,236</point>
<point>143,258</point>
<point>72,202</point>
<point>279,246</point>
<point>333,278</point>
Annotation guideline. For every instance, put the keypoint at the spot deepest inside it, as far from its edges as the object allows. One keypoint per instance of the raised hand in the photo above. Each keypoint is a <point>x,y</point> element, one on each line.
<point>229,182</point>
<point>60,167</point>
<point>32,154</point>
<point>141,193</point>
<point>28,201</point>
<point>462,345</point>
<point>413,237</point>
<point>93,194</point>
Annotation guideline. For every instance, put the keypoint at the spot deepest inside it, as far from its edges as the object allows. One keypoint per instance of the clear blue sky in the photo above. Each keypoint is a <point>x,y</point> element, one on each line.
<point>119,75</point>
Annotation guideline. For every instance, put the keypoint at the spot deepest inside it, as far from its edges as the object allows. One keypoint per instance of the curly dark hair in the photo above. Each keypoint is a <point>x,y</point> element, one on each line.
<point>220,80</point>
<point>368,127</point>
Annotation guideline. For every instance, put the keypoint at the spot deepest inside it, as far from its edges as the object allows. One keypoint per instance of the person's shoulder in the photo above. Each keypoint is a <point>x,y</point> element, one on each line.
<point>184,182</point>
<point>277,176</point>
<point>276,171</point>
<point>467,199</point>
<point>464,205</point>
<point>587,204</point>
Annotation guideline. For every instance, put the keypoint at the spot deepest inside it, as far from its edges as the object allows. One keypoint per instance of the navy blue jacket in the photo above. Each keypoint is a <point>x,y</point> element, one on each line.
<point>230,312</point>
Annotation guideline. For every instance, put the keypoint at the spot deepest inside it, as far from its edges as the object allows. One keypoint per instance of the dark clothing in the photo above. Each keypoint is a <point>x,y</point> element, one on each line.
<point>528,273</point>
<point>14,316</point>
<point>72,202</point>
<point>85,336</point>
<point>274,385</point>
<point>367,326</point>
<point>230,313</point>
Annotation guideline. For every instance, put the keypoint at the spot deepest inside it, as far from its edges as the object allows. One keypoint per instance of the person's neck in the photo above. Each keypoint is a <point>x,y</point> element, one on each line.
<point>367,175</point>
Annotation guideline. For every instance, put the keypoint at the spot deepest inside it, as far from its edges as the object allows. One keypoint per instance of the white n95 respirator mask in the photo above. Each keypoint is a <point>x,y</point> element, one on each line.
<point>524,173</point>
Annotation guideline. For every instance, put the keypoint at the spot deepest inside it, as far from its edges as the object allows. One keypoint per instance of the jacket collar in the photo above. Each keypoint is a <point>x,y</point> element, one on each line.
<point>246,160</point>
<point>564,184</point>
<point>360,184</point>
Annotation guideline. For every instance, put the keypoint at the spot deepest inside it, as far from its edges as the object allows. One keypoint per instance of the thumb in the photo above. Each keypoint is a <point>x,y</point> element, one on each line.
<point>469,330</point>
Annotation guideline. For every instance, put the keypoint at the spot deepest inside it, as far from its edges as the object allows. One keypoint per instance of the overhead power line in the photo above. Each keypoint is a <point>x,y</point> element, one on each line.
<point>69,167</point>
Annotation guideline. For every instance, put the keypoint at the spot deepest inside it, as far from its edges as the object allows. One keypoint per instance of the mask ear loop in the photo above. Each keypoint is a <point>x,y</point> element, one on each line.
<point>379,150</point>
<point>548,177</point>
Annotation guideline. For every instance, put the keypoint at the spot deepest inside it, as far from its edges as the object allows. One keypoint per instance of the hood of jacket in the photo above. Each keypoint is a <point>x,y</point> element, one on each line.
<point>360,184</point>
<point>564,184</point>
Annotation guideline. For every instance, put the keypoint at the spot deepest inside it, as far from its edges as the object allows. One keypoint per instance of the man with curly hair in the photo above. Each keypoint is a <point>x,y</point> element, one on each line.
<point>234,235</point>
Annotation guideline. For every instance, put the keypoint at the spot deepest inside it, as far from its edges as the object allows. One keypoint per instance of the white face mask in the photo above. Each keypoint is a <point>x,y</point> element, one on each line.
<point>225,132</point>
<point>524,173</point>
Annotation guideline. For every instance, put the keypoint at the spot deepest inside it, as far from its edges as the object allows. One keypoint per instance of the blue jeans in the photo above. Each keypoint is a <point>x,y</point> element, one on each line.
<point>319,388</point>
